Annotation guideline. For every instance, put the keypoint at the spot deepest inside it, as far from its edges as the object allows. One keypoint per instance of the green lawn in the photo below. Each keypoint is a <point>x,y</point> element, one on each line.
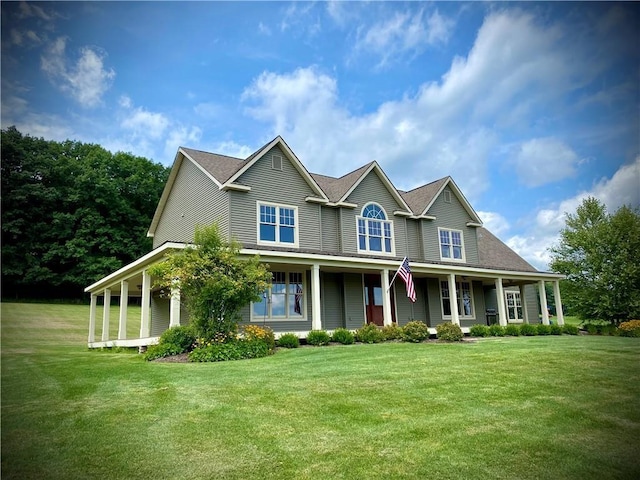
<point>527,408</point>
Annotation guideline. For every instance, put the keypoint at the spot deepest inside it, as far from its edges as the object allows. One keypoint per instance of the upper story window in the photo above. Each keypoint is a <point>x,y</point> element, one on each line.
<point>277,225</point>
<point>451,245</point>
<point>375,232</point>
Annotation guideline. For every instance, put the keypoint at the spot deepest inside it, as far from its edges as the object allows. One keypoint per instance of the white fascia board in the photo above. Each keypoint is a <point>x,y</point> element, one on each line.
<point>177,162</point>
<point>134,267</point>
<point>401,213</point>
<point>235,186</point>
<point>416,267</point>
<point>473,224</point>
<point>201,168</point>
<point>465,203</point>
<point>423,217</point>
<point>321,201</point>
<point>342,204</point>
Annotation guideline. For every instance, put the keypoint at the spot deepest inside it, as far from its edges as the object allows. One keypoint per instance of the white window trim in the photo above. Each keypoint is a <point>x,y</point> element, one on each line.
<point>305,298</point>
<point>273,162</point>
<point>277,242</point>
<point>462,316</point>
<point>392,253</point>
<point>447,196</point>
<point>447,259</point>
<point>506,306</point>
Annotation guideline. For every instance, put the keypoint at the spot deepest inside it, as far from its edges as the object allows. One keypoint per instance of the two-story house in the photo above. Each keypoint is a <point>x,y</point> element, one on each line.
<point>333,246</point>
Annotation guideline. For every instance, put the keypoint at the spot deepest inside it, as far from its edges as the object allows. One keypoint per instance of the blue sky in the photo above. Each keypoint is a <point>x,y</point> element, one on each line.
<point>530,107</point>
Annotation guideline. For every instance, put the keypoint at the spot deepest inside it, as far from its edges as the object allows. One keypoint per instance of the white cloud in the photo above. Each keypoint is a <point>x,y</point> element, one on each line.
<point>142,123</point>
<point>86,81</point>
<point>494,222</point>
<point>181,136</point>
<point>545,160</point>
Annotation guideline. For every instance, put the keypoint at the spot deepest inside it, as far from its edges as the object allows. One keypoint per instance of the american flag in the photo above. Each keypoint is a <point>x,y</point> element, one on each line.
<point>405,272</point>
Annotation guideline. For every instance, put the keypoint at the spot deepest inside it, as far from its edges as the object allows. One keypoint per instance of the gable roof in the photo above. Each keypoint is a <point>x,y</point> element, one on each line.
<point>220,167</point>
<point>493,253</point>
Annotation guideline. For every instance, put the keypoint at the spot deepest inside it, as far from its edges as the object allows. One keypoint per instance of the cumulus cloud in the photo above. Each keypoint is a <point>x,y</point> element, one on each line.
<point>494,222</point>
<point>545,160</point>
<point>142,123</point>
<point>86,80</point>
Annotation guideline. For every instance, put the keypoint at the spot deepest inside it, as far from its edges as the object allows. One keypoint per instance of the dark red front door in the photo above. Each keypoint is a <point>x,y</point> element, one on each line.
<point>373,299</point>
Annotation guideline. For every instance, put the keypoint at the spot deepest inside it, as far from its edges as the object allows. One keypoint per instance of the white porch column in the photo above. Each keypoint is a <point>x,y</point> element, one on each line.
<point>387,318</point>
<point>174,309</point>
<point>543,302</point>
<point>453,299</point>
<point>556,294</point>
<point>105,314</point>
<point>523,299</point>
<point>92,318</point>
<point>502,309</point>
<point>124,303</point>
<point>316,321</point>
<point>146,300</point>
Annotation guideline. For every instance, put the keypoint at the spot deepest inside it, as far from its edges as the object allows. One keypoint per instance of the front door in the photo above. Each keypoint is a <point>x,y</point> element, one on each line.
<point>373,299</point>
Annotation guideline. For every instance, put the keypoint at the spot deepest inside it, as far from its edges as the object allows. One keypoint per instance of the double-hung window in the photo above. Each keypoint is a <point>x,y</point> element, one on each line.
<point>375,232</point>
<point>464,299</point>
<point>451,245</point>
<point>277,225</point>
<point>514,306</point>
<point>283,300</point>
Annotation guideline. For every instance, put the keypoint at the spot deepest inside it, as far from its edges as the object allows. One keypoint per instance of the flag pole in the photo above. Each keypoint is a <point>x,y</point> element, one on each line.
<point>394,277</point>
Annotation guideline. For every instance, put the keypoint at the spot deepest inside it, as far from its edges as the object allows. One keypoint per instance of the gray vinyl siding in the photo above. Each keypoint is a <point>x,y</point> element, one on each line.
<point>407,311</point>
<point>533,303</point>
<point>371,189</point>
<point>433,301</point>
<point>159,315</point>
<point>414,240</point>
<point>330,229</point>
<point>449,215</point>
<point>286,187</point>
<point>478,305</point>
<point>194,200</point>
<point>332,301</point>
<point>353,300</point>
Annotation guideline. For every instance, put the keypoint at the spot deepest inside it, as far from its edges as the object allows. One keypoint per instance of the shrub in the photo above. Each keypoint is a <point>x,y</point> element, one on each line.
<point>182,337</point>
<point>161,350</point>
<point>528,330</point>
<point>449,332</point>
<point>556,329</point>
<point>479,330</point>
<point>496,330</point>
<point>369,333</point>
<point>592,329</point>
<point>318,338</point>
<point>415,332</point>
<point>630,328</point>
<point>512,330</point>
<point>608,329</point>
<point>236,350</point>
<point>264,334</point>
<point>289,340</point>
<point>343,336</point>
<point>543,329</point>
<point>392,332</point>
<point>570,329</point>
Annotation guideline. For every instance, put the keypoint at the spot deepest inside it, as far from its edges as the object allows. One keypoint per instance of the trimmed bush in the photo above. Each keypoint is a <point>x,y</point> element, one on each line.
<point>343,336</point>
<point>608,329</point>
<point>556,329</point>
<point>182,337</point>
<point>318,338</point>
<point>264,334</point>
<point>236,350</point>
<point>512,330</point>
<point>449,332</point>
<point>570,329</point>
<point>630,328</point>
<point>289,340</point>
<point>592,329</point>
<point>161,350</point>
<point>543,329</point>
<point>479,330</point>
<point>392,332</point>
<point>496,330</point>
<point>528,330</point>
<point>369,333</point>
<point>415,332</point>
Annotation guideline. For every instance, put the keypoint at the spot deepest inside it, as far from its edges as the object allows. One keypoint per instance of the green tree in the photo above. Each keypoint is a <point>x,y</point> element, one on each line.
<point>598,253</point>
<point>214,282</point>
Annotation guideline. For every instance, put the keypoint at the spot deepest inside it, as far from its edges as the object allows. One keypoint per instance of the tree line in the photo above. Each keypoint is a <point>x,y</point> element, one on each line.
<point>72,213</point>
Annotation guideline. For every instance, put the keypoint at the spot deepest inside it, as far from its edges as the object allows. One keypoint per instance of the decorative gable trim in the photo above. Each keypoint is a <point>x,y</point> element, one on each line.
<point>290,155</point>
<point>321,201</point>
<point>475,219</point>
<point>235,186</point>
<point>387,183</point>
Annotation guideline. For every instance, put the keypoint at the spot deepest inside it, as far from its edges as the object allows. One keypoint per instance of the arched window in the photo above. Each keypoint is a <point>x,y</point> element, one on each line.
<point>374,230</point>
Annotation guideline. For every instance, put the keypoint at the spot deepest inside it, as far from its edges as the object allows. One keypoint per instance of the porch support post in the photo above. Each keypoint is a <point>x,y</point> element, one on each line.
<point>105,314</point>
<point>316,321</point>
<point>92,318</point>
<point>543,302</point>
<point>502,309</point>
<point>124,303</point>
<point>556,294</point>
<point>453,299</point>
<point>387,319</point>
<point>146,300</point>
<point>523,299</point>
<point>174,309</point>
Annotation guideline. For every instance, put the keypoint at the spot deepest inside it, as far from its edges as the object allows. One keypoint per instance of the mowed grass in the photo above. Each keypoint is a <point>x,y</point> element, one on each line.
<point>530,407</point>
